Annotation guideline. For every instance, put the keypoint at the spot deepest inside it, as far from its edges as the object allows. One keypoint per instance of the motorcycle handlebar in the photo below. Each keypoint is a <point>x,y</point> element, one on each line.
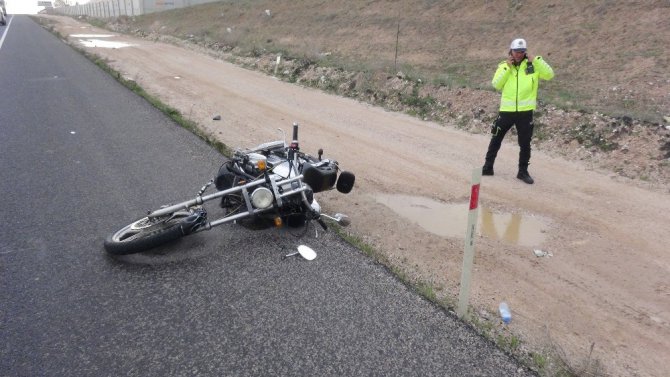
<point>295,131</point>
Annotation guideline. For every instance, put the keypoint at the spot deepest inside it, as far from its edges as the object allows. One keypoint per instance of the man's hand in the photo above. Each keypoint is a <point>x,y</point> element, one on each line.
<point>510,61</point>
<point>529,57</point>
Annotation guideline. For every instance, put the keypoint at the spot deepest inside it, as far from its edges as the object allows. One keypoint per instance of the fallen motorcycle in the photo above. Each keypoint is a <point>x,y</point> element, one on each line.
<point>272,182</point>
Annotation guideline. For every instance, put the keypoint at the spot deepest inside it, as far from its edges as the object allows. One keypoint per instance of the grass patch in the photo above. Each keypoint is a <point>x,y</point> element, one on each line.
<point>540,131</point>
<point>96,22</point>
<point>462,121</point>
<point>539,360</point>
<point>557,364</point>
<point>510,343</point>
<point>426,290</point>
<point>419,106</point>
<point>587,135</point>
<point>457,75</point>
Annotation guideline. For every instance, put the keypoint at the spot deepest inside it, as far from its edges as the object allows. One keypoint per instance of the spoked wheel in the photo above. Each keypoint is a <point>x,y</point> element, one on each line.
<point>147,233</point>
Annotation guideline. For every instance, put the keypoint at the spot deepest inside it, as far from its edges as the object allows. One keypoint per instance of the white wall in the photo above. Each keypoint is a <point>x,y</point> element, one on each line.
<point>115,8</point>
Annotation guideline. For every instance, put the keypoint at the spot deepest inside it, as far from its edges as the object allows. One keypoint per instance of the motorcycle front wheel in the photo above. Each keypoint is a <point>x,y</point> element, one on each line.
<point>146,233</point>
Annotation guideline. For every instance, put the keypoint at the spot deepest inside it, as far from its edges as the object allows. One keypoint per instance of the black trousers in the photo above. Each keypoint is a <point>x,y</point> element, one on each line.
<point>523,120</point>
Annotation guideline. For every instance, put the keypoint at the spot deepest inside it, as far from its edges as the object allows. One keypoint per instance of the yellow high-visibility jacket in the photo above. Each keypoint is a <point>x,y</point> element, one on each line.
<point>519,90</point>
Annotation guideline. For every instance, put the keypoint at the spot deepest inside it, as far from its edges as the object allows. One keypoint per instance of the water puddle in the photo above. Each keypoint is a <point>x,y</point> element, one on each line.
<point>91,35</point>
<point>450,220</point>
<point>103,44</point>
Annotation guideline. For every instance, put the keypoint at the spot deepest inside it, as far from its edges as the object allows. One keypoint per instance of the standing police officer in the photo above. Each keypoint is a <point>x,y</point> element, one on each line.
<point>518,79</point>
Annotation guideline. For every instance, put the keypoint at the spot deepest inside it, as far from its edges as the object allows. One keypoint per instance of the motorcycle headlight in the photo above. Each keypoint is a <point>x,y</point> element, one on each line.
<point>262,198</point>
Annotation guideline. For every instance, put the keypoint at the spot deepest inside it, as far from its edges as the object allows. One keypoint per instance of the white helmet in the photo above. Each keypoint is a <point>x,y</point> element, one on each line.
<point>518,44</point>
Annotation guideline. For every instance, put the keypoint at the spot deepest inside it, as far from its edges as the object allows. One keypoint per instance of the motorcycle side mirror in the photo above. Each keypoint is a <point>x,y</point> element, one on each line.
<point>320,153</point>
<point>342,219</point>
<point>305,252</point>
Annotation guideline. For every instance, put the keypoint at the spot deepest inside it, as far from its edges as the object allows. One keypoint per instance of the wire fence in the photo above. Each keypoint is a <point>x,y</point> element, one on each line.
<point>116,8</point>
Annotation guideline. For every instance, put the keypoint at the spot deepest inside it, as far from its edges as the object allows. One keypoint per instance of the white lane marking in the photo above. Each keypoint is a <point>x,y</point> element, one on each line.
<point>2,40</point>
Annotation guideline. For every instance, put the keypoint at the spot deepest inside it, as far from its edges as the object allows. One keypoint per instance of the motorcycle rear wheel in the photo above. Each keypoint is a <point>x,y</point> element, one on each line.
<point>145,234</point>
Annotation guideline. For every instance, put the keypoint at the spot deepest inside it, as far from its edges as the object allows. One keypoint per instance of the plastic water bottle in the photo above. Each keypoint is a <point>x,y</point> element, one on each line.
<point>505,313</point>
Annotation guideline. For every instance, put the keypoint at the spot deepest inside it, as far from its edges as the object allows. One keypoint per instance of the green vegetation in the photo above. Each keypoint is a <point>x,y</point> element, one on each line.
<point>508,342</point>
<point>540,131</point>
<point>539,360</point>
<point>419,106</point>
<point>588,136</point>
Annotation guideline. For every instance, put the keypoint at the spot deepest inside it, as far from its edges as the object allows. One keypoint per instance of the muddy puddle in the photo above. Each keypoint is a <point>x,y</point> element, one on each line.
<point>89,40</point>
<point>103,44</point>
<point>450,220</point>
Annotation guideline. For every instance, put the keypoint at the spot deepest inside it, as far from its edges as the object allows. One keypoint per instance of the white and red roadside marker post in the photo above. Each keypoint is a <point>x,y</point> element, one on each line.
<point>469,252</point>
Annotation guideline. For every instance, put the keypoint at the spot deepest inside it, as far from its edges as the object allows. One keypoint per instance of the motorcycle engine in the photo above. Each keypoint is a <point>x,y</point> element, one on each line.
<point>292,209</point>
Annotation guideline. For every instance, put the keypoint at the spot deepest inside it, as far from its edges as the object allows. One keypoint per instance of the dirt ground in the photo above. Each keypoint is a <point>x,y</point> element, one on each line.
<point>607,283</point>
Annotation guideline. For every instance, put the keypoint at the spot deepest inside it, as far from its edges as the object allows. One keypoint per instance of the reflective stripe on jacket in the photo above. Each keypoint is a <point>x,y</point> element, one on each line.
<point>519,90</point>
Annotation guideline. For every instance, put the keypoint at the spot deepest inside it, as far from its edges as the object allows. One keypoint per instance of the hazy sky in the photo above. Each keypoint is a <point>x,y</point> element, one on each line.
<point>30,6</point>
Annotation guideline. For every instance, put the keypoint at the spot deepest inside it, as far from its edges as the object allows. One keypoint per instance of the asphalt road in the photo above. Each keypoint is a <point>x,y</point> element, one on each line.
<point>80,156</point>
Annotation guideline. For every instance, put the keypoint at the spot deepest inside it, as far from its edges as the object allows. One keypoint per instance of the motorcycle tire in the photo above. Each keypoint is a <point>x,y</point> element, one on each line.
<point>142,236</point>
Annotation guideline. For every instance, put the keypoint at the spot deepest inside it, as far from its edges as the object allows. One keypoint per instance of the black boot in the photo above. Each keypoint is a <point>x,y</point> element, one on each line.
<point>487,170</point>
<point>524,176</point>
